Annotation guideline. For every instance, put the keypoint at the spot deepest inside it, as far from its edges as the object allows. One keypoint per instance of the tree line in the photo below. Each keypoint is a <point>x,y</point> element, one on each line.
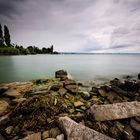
<point>7,48</point>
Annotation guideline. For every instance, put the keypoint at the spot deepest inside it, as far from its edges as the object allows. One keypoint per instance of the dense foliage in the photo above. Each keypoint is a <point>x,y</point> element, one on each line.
<point>6,48</point>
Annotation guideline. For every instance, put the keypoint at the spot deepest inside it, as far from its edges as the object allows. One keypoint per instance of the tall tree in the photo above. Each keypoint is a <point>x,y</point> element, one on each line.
<point>51,49</point>
<point>1,36</point>
<point>7,36</point>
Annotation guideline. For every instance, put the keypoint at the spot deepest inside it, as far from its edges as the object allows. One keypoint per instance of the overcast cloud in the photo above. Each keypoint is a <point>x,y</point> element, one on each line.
<point>74,25</point>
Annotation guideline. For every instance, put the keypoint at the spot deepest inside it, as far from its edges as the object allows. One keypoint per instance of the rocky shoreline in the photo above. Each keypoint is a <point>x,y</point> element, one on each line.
<point>61,108</point>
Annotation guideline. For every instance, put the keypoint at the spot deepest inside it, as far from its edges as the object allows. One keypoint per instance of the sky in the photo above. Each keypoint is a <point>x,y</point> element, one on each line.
<point>89,26</point>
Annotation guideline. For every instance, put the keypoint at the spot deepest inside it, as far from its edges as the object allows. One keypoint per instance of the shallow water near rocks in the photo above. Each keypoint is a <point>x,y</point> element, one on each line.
<point>92,67</point>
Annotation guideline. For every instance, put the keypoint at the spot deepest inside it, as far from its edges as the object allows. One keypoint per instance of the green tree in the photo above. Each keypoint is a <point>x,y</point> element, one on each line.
<point>7,36</point>
<point>1,37</point>
<point>51,49</point>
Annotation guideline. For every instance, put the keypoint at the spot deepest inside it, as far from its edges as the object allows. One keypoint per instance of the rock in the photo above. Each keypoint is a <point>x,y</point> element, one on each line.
<point>69,82</point>
<point>115,111</point>
<point>131,86</point>
<point>9,130</point>
<point>60,137</point>
<point>94,89</point>
<point>139,76</point>
<point>3,89</point>
<point>75,131</point>
<point>12,93</point>
<point>3,107</point>
<point>85,95</point>
<point>4,119</point>
<point>62,91</point>
<point>119,126</point>
<point>135,125</point>
<point>127,134</point>
<point>20,86</point>
<point>137,118</point>
<point>116,82</point>
<point>54,132</point>
<point>16,101</point>
<point>62,74</point>
<point>121,92</point>
<point>103,93</point>
<point>55,87</point>
<point>72,88</point>
<point>45,134</point>
<point>34,136</point>
<point>78,104</point>
<point>1,137</point>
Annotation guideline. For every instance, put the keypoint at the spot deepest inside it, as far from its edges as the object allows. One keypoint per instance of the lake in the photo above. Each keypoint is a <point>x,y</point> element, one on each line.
<point>97,67</point>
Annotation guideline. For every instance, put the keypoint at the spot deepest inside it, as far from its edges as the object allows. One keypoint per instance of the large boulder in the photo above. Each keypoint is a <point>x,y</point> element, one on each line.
<point>3,107</point>
<point>62,74</point>
<point>75,131</point>
<point>115,111</point>
<point>71,86</point>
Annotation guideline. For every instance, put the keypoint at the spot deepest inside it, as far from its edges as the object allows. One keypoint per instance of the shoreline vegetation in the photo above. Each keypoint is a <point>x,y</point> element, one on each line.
<point>8,48</point>
<point>61,108</point>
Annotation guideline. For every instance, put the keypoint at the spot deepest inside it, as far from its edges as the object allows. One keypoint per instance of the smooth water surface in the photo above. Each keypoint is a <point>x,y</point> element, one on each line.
<point>80,66</point>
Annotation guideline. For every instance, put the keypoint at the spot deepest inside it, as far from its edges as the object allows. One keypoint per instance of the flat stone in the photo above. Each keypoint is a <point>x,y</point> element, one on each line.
<point>45,134</point>
<point>60,137</point>
<point>72,88</point>
<point>20,86</point>
<point>34,136</point>
<point>135,125</point>
<point>9,130</point>
<point>75,131</point>
<point>12,93</point>
<point>3,107</point>
<point>115,111</point>
<point>69,82</point>
<point>78,104</point>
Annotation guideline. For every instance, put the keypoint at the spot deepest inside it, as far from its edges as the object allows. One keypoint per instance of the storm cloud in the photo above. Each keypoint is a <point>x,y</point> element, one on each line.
<point>74,25</point>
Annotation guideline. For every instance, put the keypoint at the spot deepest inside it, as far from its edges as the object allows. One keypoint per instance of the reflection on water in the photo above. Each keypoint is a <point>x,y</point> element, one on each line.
<point>81,67</point>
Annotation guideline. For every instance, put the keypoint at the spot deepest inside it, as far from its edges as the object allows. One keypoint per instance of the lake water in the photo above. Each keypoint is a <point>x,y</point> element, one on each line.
<point>97,67</point>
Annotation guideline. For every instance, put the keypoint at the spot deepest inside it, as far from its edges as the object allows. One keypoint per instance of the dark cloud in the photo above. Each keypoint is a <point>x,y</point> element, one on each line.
<point>8,9</point>
<point>74,25</point>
